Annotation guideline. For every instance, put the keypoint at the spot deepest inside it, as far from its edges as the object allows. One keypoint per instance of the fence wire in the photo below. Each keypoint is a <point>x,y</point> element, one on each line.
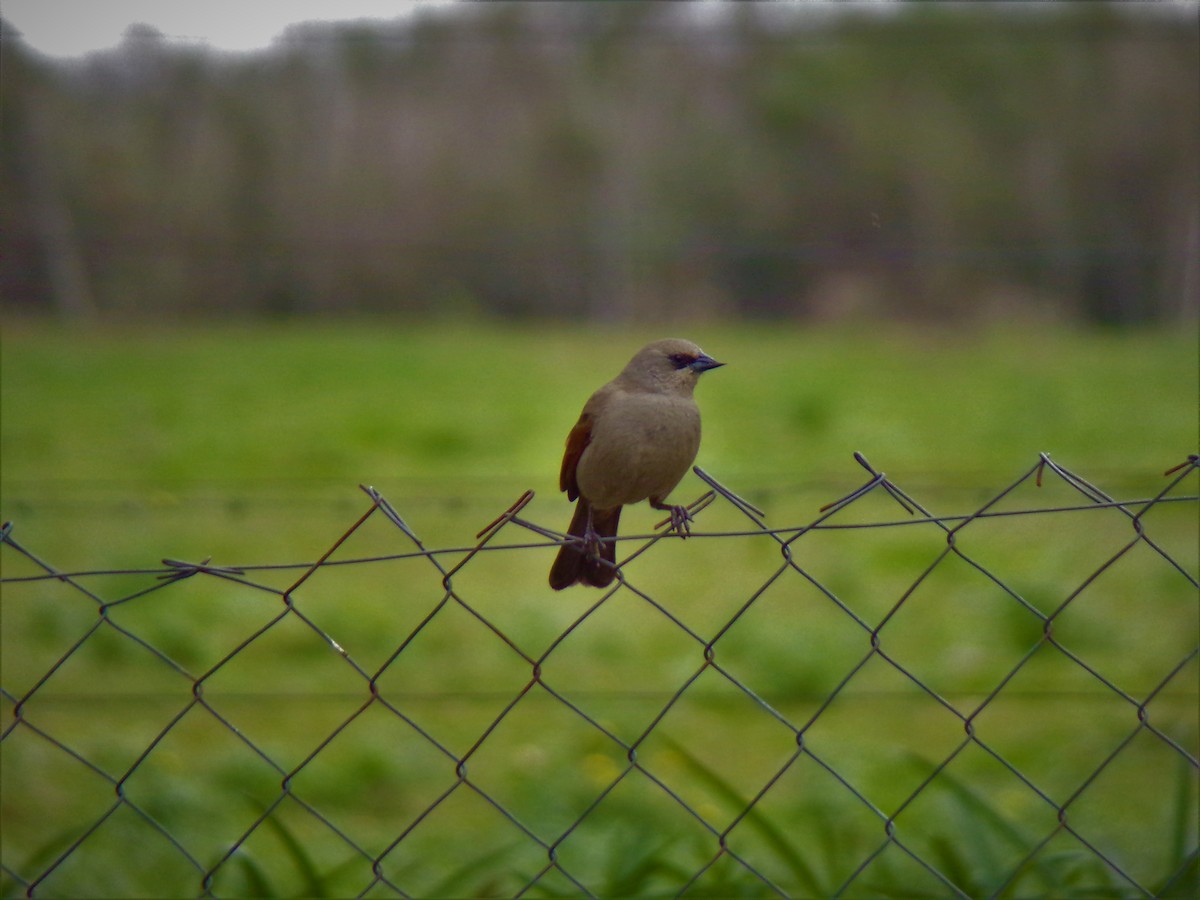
<point>220,730</point>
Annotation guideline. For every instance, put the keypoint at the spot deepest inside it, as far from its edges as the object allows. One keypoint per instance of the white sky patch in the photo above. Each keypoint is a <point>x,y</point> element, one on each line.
<point>66,28</point>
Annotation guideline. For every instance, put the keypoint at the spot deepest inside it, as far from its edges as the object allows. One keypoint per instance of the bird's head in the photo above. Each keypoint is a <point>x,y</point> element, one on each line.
<point>672,364</point>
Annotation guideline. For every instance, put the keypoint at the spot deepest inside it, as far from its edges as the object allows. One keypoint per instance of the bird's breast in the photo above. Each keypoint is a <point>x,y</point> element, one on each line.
<point>641,447</point>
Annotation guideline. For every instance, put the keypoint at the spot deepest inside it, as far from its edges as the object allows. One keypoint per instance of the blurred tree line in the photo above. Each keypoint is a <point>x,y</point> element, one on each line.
<point>619,161</point>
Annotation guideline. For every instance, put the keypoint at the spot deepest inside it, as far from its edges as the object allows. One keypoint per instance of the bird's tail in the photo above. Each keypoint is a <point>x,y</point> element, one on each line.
<point>574,564</point>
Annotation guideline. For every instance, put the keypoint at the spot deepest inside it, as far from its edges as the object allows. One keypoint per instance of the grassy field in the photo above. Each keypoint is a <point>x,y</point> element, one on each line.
<point>246,443</point>
<point>231,421</point>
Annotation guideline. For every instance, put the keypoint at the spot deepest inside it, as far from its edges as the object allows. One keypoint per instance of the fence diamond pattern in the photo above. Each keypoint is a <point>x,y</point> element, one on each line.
<point>473,751</point>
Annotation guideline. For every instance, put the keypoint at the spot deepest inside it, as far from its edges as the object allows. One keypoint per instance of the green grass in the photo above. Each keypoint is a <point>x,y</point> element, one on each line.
<point>246,443</point>
<point>399,400</point>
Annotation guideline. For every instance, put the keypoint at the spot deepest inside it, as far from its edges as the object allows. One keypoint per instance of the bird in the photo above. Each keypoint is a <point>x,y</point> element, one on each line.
<point>635,440</point>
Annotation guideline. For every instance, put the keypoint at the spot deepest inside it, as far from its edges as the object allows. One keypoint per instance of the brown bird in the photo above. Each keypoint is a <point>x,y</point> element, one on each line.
<point>634,441</point>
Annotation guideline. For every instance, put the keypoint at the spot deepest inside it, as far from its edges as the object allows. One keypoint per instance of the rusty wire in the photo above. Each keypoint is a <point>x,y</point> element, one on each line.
<point>513,532</point>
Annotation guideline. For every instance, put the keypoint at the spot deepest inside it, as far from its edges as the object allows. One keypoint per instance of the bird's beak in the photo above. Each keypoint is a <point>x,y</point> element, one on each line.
<point>703,363</point>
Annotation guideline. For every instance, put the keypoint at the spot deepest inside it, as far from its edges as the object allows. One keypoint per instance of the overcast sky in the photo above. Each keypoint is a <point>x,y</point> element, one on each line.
<point>72,27</point>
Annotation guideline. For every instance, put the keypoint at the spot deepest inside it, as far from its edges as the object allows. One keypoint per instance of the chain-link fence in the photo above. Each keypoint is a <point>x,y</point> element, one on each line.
<point>882,702</point>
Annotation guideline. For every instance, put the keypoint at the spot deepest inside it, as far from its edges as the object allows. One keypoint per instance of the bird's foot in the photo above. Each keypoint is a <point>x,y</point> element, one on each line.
<point>591,542</point>
<point>681,519</point>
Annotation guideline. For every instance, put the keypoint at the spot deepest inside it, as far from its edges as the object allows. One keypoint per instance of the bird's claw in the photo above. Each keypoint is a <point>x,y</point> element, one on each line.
<point>681,521</point>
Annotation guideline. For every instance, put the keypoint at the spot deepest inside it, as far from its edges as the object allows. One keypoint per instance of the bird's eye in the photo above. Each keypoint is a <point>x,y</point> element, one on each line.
<point>681,360</point>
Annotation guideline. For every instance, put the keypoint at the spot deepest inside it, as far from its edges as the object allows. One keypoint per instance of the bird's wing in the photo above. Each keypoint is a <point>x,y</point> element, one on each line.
<point>577,440</point>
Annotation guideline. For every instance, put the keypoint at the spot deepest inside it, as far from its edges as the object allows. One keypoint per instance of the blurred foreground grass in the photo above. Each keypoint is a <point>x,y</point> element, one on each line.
<point>246,443</point>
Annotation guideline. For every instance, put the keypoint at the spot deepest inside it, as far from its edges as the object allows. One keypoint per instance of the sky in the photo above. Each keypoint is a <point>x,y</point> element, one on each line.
<point>66,28</point>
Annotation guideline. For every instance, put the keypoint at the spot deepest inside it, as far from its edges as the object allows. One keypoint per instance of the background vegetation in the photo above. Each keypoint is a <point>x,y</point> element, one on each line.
<point>947,161</point>
<point>159,423</point>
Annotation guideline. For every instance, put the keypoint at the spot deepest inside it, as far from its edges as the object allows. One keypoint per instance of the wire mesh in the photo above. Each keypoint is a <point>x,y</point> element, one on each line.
<point>413,721</point>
